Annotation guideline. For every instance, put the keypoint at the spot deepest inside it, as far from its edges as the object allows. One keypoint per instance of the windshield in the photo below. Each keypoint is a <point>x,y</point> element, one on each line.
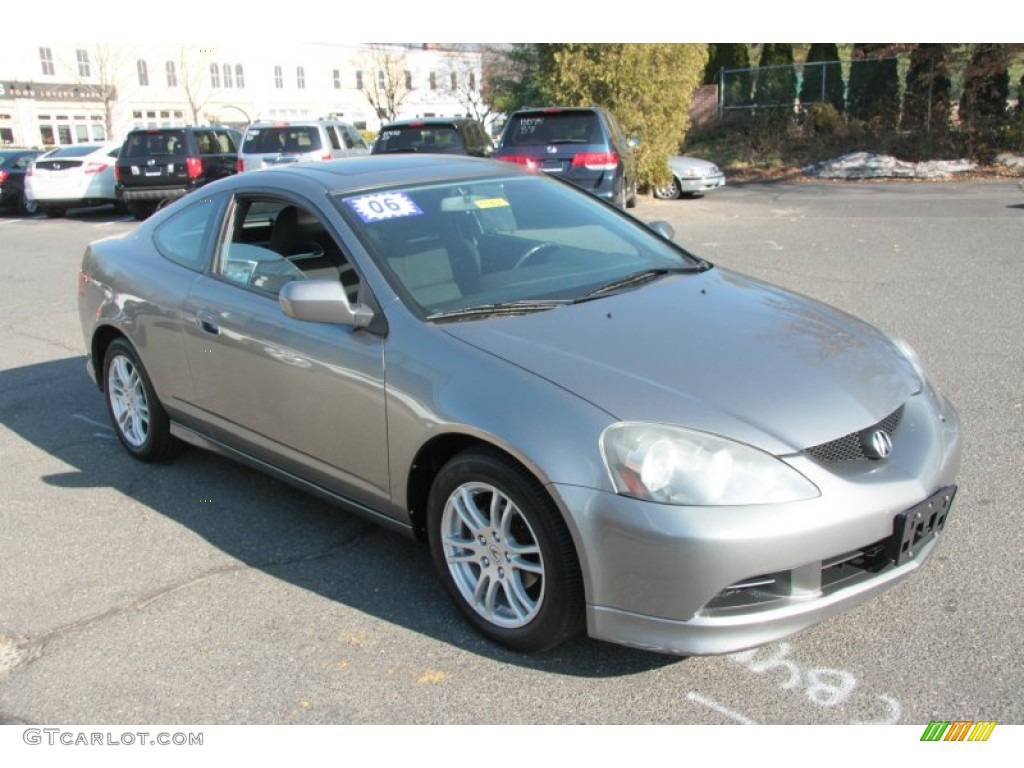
<point>524,242</point>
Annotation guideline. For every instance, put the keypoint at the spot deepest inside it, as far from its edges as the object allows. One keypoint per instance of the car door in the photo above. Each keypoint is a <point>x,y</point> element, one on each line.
<point>305,397</point>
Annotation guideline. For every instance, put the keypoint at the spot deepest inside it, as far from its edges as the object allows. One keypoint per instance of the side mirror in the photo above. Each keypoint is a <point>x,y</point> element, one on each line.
<point>322,301</point>
<point>663,228</point>
<point>633,142</point>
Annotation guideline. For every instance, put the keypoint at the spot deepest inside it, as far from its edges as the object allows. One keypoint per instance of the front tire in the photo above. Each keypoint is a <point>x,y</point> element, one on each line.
<point>503,552</point>
<point>139,419</point>
<point>670,191</point>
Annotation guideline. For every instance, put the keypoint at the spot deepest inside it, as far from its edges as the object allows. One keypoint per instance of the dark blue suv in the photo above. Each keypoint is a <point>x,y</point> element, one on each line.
<point>582,145</point>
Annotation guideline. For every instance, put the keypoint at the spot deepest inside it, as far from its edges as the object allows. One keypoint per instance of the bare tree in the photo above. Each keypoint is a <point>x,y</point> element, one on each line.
<point>97,70</point>
<point>384,85</point>
<point>469,76</point>
<point>192,72</point>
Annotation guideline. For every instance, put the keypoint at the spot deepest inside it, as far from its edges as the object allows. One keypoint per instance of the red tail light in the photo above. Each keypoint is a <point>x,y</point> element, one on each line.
<point>326,156</point>
<point>94,167</point>
<point>117,173</point>
<point>239,165</point>
<point>596,161</point>
<point>5,174</point>
<point>529,162</point>
<point>195,167</point>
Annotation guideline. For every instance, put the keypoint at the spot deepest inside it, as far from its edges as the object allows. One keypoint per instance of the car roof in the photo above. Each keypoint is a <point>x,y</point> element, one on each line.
<point>427,121</point>
<point>354,173</point>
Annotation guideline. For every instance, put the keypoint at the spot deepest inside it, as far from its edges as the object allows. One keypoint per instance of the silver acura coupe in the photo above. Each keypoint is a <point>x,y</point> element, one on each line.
<point>588,425</point>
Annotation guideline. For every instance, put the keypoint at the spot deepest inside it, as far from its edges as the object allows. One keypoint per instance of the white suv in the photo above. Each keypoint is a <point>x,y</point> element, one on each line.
<point>294,141</point>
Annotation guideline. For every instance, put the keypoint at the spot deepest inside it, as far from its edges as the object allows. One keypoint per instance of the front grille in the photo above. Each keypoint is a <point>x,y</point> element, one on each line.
<point>848,447</point>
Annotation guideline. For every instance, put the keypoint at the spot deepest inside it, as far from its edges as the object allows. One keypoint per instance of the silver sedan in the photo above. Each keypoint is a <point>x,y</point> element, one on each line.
<point>589,426</point>
<point>691,177</point>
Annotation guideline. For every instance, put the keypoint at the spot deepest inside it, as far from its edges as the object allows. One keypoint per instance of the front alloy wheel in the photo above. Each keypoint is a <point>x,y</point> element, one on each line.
<point>670,191</point>
<point>504,553</point>
<point>493,555</point>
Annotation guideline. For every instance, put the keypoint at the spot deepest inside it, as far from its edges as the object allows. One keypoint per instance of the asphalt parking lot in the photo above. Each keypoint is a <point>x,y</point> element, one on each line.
<point>203,592</point>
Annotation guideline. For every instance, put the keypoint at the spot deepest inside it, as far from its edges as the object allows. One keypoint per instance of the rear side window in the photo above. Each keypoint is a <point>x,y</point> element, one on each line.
<point>553,128</point>
<point>282,138</point>
<point>182,237</point>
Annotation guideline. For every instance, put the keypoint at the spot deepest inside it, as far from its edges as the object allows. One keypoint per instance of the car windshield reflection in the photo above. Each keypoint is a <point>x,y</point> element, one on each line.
<point>520,243</point>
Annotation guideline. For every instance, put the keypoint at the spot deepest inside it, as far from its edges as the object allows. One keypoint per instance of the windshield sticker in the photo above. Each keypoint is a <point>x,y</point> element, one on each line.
<point>387,205</point>
<point>492,202</point>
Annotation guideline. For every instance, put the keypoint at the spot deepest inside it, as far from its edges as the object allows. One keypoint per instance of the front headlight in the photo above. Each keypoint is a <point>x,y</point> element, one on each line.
<point>672,465</point>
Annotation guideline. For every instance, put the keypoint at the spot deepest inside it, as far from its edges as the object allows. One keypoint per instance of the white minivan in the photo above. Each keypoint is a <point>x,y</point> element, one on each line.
<point>294,141</point>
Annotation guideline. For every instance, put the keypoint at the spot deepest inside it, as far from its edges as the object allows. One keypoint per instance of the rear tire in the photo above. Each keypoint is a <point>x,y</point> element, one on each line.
<point>138,418</point>
<point>140,211</point>
<point>28,207</point>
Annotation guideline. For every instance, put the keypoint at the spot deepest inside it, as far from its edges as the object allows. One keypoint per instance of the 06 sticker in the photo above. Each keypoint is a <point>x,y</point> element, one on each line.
<point>384,205</point>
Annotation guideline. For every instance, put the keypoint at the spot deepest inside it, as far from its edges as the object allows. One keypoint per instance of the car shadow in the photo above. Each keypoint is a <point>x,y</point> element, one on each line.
<point>269,525</point>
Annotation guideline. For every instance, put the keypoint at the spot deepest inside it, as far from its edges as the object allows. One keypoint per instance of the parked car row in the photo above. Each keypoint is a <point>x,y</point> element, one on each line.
<point>584,146</point>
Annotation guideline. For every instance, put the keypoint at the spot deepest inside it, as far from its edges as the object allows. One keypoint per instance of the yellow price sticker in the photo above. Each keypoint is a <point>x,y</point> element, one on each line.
<point>491,202</point>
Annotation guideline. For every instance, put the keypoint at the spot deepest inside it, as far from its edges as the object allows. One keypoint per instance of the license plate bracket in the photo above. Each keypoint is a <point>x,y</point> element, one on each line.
<point>920,524</point>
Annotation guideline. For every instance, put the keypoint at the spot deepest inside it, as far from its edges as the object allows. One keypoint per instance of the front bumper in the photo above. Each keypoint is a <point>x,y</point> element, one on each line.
<point>713,580</point>
<point>701,184</point>
<point>130,194</point>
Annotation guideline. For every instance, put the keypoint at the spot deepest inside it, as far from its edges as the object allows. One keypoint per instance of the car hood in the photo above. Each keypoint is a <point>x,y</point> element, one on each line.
<point>680,164</point>
<point>713,351</point>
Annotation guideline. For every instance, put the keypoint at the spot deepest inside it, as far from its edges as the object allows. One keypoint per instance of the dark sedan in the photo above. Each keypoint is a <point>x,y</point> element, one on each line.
<point>14,163</point>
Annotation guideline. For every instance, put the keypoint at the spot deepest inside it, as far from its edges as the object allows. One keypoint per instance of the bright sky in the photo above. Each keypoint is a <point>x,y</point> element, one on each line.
<point>494,21</point>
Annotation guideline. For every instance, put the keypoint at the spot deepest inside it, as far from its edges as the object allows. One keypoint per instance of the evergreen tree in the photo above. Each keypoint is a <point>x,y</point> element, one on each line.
<point>986,86</point>
<point>776,80</point>
<point>873,93</point>
<point>926,99</point>
<point>734,59</point>
<point>647,86</point>
<point>822,77</point>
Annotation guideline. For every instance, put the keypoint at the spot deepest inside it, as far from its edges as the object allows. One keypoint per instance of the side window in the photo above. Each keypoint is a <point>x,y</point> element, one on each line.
<point>272,242</point>
<point>223,143</point>
<point>183,237</point>
<point>207,143</point>
<point>354,137</point>
<point>332,134</point>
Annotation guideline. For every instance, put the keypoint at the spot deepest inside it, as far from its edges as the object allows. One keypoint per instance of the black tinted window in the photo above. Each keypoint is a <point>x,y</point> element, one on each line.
<point>173,143</point>
<point>443,139</point>
<point>553,128</point>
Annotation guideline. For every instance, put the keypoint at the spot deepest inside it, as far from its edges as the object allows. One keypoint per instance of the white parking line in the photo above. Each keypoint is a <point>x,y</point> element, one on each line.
<point>710,704</point>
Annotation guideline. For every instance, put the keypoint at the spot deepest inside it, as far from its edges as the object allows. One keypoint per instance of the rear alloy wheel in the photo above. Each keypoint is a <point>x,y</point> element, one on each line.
<point>138,417</point>
<point>670,191</point>
<point>503,552</point>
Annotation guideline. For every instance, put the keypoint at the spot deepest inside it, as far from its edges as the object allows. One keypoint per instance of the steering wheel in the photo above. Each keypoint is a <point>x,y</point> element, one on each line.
<point>533,253</point>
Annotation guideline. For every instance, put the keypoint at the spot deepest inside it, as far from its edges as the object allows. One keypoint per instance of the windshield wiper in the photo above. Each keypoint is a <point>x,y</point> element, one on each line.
<point>638,278</point>
<point>521,307</point>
